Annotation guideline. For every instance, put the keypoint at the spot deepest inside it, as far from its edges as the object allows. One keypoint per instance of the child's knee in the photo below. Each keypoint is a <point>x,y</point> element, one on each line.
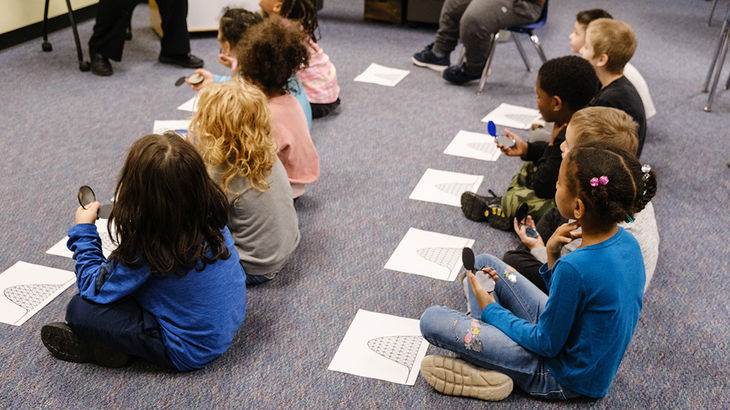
<point>486,260</point>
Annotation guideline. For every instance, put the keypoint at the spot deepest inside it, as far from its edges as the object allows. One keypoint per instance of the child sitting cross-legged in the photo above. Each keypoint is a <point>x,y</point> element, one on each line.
<point>609,45</point>
<point>268,56</point>
<point>319,77</point>
<point>232,130</point>
<point>609,126</point>
<point>232,27</point>
<point>577,40</point>
<point>568,344</point>
<point>172,292</point>
<point>564,85</point>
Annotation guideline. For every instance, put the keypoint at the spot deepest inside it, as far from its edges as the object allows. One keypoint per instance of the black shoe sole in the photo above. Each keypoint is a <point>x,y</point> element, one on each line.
<point>473,207</point>
<point>63,344</point>
<point>180,63</point>
<point>500,222</point>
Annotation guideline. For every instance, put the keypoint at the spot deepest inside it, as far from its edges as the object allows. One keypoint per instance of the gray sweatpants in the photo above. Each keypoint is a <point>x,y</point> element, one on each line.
<point>474,21</point>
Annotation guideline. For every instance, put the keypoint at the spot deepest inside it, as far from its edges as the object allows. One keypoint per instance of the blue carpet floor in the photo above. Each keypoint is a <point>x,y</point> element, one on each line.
<point>61,128</point>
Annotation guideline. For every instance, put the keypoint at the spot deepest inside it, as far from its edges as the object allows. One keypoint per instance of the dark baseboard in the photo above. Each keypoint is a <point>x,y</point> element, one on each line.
<point>35,31</point>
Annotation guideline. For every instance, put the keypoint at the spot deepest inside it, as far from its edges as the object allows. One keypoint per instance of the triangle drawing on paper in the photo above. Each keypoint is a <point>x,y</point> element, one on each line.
<point>400,349</point>
<point>485,147</point>
<point>29,296</point>
<point>454,188</point>
<point>444,257</point>
<point>389,77</point>
<point>521,118</point>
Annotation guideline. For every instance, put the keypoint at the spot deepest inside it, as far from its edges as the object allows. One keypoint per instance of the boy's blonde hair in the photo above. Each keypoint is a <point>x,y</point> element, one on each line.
<point>605,125</point>
<point>232,130</point>
<point>615,39</point>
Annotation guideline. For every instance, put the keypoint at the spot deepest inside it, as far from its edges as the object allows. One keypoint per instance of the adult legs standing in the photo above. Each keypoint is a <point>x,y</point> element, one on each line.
<point>175,36</point>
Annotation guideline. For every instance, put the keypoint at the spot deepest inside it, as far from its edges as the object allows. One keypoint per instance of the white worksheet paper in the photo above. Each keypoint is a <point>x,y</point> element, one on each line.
<point>179,126</point>
<point>445,187</point>
<point>27,288</point>
<point>473,145</point>
<point>513,116</point>
<point>190,105</point>
<point>107,247</point>
<point>431,254</point>
<point>381,75</point>
<point>381,346</point>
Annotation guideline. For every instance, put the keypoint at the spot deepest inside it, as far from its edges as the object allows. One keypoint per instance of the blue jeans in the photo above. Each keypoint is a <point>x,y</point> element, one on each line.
<point>122,325</point>
<point>486,346</point>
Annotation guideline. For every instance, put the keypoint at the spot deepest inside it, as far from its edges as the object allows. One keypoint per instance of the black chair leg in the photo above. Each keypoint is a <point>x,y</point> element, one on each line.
<point>46,46</point>
<point>83,65</point>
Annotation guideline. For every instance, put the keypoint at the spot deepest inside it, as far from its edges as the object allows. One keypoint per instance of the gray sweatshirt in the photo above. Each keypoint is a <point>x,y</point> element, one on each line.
<point>264,225</point>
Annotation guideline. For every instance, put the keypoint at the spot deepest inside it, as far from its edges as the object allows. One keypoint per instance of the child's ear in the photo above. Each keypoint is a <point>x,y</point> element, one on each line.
<point>277,7</point>
<point>557,103</point>
<point>602,60</point>
<point>579,210</point>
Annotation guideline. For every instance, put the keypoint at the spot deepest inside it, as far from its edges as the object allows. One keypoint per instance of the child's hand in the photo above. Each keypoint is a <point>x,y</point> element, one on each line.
<point>529,241</point>
<point>518,149</point>
<point>88,215</point>
<point>207,79</point>
<point>563,235</point>
<point>483,297</point>
<point>226,60</point>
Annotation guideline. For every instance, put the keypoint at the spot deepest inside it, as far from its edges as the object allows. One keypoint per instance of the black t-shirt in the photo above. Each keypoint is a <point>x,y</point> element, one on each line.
<point>621,94</point>
<point>547,158</point>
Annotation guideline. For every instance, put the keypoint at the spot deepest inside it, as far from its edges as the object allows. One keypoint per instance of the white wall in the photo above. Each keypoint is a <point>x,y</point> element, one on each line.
<point>20,13</point>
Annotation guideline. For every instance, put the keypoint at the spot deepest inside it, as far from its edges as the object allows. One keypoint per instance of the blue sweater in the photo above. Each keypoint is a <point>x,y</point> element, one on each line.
<point>198,314</point>
<point>594,304</point>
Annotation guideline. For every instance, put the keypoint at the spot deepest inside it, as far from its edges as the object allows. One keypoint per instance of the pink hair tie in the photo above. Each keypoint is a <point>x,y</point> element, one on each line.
<point>603,180</point>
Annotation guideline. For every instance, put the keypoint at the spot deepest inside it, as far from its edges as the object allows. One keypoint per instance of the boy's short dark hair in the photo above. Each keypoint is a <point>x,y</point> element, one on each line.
<point>586,16</point>
<point>235,22</point>
<point>271,53</point>
<point>571,78</point>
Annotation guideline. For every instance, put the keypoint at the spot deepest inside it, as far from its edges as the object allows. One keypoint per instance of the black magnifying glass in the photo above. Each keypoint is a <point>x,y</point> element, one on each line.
<point>86,196</point>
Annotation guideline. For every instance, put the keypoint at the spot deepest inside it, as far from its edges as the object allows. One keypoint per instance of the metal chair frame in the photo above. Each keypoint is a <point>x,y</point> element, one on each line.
<point>47,47</point>
<point>717,63</point>
<point>526,29</point>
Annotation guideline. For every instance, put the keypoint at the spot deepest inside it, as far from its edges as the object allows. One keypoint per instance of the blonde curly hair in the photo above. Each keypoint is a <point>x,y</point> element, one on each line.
<point>232,130</point>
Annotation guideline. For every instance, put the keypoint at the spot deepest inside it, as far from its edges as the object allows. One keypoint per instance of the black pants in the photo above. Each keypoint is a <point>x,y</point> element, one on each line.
<point>123,326</point>
<point>113,16</point>
<point>523,261</point>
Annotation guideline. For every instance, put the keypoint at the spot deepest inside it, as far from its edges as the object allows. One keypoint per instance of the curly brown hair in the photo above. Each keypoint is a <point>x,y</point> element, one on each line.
<point>272,52</point>
<point>627,191</point>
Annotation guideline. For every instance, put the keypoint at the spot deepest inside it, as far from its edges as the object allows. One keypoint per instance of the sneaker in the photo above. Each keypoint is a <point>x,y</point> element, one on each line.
<point>63,344</point>
<point>183,60</point>
<point>426,58</point>
<point>456,377</point>
<point>474,206</point>
<point>457,74</point>
<point>100,65</point>
<point>496,218</point>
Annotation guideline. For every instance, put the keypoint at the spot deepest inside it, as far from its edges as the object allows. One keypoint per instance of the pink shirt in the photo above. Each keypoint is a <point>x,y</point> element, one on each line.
<point>295,147</point>
<point>320,77</point>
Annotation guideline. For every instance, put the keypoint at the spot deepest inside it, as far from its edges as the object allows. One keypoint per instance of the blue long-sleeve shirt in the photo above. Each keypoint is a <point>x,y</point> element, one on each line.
<point>589,319</point>
<point>198,313</point>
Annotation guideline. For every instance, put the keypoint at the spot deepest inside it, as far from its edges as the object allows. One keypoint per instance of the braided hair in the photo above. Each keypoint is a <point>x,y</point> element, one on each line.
<point>627,190</point>
<point>305,13</point>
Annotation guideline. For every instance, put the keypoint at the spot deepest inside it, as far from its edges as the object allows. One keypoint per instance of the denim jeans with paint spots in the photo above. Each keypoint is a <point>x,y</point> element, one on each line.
<point>486,346</point>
